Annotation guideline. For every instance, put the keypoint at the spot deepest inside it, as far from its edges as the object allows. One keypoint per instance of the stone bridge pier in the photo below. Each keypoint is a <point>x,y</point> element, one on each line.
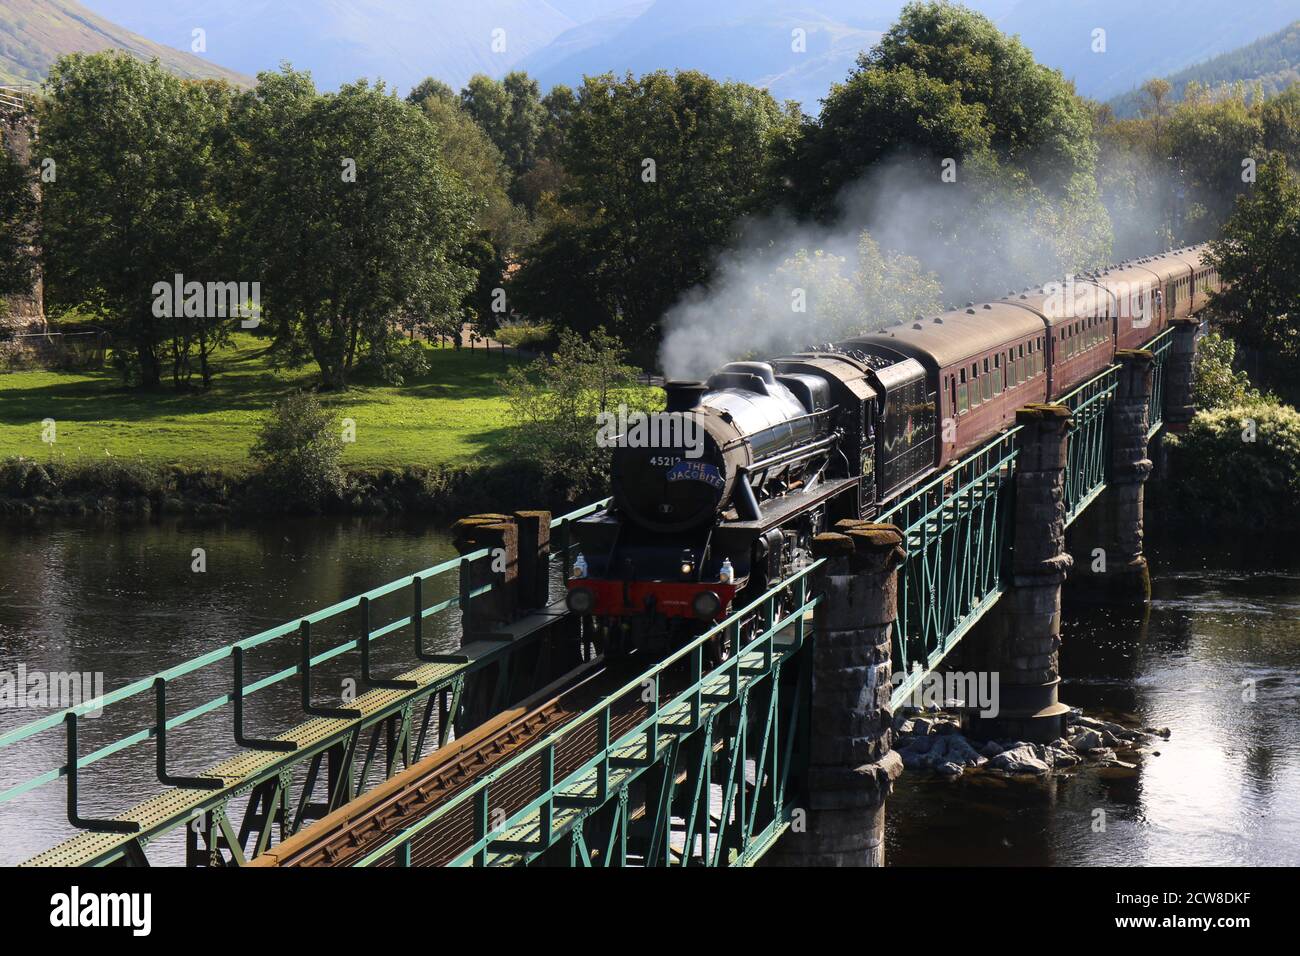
<point>1116,565</point>
<point>1023,637</point>
<point>852,766</point>
<point>1180,406</point>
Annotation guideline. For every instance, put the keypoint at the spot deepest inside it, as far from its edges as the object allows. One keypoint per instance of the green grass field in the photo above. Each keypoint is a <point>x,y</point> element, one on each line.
<point>454,414</point>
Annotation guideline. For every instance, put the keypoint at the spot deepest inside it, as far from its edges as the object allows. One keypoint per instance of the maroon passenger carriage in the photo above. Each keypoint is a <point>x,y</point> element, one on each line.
<point>786,447</point>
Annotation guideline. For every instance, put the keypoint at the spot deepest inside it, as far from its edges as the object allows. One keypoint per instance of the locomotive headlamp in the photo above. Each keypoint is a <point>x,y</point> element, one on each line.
<point>688,563</point>
<point>581,600</point>
<point>706,605</point>
<point>579,567</point>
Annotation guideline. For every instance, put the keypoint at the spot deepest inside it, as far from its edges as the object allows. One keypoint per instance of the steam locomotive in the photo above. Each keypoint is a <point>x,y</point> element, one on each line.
<point>751,464</point>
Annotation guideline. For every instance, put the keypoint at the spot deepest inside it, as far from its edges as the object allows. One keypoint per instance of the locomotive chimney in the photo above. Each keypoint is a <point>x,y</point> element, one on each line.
<point>683,396</point>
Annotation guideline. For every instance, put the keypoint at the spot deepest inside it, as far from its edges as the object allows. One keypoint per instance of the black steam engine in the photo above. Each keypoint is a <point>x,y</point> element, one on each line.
<point>721,494</point>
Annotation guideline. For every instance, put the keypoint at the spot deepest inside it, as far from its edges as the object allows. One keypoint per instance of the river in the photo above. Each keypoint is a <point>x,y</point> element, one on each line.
<point>125,600</point>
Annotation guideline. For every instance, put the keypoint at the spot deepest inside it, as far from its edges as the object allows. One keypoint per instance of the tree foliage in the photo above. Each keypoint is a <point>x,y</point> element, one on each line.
<point>944,82</point>
<point>510,112</point>
<point>660,170</point>
<point>142,195</point>
<point>298,449</point>
<point>1215,384</point>
<point>378,224</point>
<point>955,147</point>
<point>1239,467</point>
<point>554,404</point>
<point>847,295</point>
<point>1258,258</point>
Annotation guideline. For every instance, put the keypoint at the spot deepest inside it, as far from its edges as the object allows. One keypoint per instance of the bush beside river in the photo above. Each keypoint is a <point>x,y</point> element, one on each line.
<point>29,488</point>
<point>1235,467</point>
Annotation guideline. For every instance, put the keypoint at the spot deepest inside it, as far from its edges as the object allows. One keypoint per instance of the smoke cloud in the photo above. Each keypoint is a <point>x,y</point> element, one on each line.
<point>981,232</point>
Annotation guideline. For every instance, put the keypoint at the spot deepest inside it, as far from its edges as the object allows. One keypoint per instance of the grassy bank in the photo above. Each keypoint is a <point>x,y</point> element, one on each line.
<point>453,415</point>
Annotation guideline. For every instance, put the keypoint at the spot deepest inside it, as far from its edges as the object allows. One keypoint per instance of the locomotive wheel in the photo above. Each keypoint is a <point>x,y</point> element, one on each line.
<point>719,649</point>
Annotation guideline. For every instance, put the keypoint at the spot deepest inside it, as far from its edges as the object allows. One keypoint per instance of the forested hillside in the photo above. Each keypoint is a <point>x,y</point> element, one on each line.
<point>1273,61</point>
<point>35,33</point>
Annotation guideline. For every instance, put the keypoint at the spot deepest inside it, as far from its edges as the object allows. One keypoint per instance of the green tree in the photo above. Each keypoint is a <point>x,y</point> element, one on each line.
<point>554,404</point>
<point>487,101</point>
<point>849,297</point>
<point>467,151</point>
<point>357,223</point>
<point>1214,382</point>
<point>1258,258</point>
<point>944,82</point>
<point>510,111</point>
<point>983,162</point>
<point>429,88</point>
<point>1239,467</point>
<point>558,106</point>
<point>1155,108</point>
<point>1281,120</point>
<point>503,227</point>
<point>661,168</point>
<point>140,198</point>
<point>1209,139</point>
<point>523,122</point>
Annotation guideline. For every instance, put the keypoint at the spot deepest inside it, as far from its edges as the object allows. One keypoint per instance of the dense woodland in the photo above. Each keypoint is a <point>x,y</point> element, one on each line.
<point>370,219</point>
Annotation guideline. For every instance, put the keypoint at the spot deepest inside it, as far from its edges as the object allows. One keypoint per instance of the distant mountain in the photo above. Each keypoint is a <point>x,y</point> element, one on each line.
<point>400,41</point>
<point>34,33</point>
<point>750,40</point>
<point>561,40</point>
<point>1143,39</point>
<point>1273,61</point>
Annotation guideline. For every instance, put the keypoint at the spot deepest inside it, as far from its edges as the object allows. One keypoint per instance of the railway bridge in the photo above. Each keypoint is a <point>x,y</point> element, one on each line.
<point>522,746</point>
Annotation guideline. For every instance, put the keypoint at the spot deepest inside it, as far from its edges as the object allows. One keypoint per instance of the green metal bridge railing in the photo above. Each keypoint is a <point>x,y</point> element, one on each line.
<point>618,803</point>
<point>957,531</point>
<point>1089,445</point>
<point>330,733</point>
<point>1159,348</point>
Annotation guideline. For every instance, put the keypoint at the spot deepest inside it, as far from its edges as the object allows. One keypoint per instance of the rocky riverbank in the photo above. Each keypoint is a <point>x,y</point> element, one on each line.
<point>932,741</point>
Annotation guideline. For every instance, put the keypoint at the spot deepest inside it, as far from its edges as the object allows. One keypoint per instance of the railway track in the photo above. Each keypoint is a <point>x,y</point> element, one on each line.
<point>353,830</point>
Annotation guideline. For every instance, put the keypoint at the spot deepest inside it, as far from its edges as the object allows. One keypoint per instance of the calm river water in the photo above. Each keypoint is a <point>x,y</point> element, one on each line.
<point>124,601</point>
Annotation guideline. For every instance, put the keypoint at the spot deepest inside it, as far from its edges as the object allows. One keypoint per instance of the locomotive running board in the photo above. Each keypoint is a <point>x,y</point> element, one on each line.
<point>780,510</point>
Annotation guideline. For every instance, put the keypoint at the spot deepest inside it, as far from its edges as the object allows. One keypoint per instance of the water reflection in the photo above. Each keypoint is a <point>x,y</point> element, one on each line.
<point>126,601</point>
<point>1217,660</point>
